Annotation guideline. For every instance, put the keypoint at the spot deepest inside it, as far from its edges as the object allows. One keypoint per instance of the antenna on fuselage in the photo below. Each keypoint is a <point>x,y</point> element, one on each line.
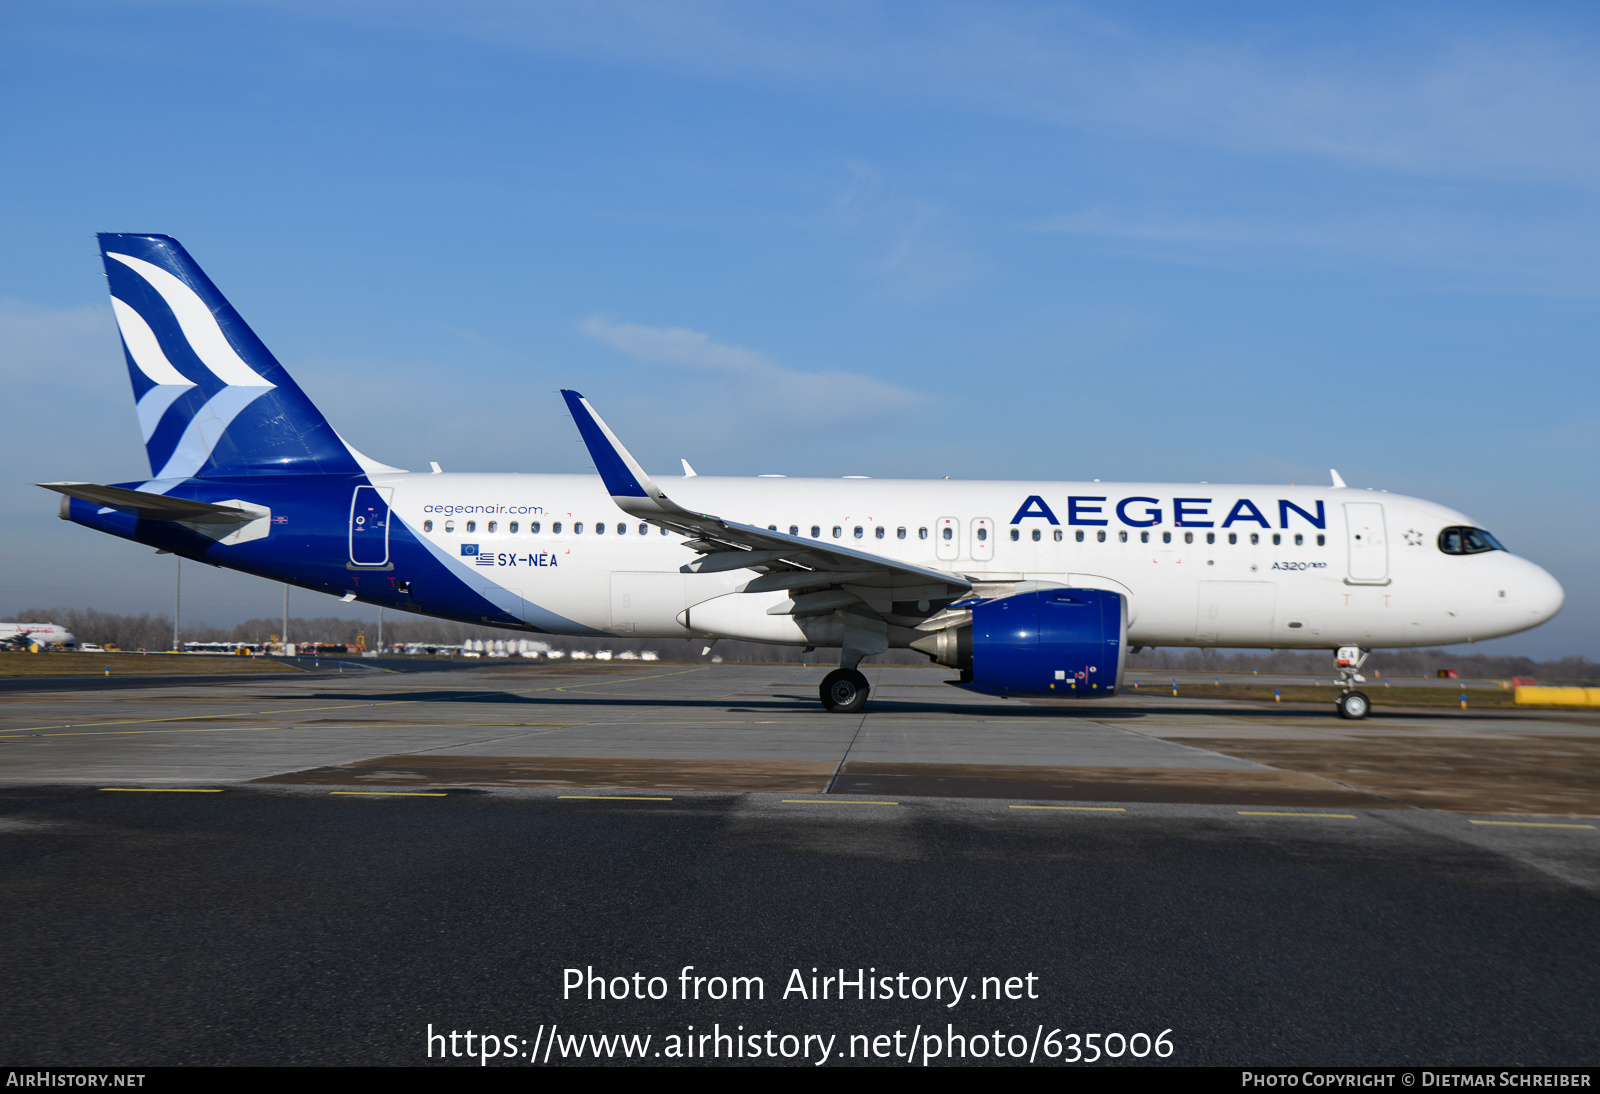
<point>1338,483</point>
<point>688,472</point>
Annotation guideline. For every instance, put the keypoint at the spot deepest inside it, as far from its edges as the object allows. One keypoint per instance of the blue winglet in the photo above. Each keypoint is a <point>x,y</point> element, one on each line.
<point>618,469</point>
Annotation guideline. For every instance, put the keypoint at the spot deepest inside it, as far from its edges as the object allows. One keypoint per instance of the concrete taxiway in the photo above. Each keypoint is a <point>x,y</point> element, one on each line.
<point>754,728</point>
<point>316,868</point>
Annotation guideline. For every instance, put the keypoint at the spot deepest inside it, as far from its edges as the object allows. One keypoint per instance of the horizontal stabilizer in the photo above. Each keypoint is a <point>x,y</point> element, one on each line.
<point>149,506</point>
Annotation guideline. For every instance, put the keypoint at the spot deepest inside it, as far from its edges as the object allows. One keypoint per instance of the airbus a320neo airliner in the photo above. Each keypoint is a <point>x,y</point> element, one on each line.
<point>1026,588</point>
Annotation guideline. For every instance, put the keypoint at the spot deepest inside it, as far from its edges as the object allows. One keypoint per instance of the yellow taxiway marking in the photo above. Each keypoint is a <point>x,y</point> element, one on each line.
<point>1530,824</point>
<point>1258,813</point>
<point>393,793</point>
<point>158,790</point>
<point>1075,808</point>
<point>831,801</point>
<point>607,798</point>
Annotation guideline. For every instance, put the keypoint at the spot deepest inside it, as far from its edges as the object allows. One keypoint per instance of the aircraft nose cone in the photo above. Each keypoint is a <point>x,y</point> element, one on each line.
<point>1545,596</point>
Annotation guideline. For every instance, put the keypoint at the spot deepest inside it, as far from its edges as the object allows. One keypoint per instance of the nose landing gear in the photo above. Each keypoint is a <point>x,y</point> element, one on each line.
<point>1351,703</point>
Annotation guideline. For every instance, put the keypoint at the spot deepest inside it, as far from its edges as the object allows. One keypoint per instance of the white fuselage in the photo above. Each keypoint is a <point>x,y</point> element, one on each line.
<point>1199,564</point>
<point>38,634</point>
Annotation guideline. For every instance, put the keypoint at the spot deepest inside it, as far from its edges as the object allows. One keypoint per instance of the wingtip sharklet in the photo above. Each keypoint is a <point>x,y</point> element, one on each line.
<point>621,473</point>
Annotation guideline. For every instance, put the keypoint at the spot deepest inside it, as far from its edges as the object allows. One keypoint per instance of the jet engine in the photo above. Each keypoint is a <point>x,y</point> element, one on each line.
<point>1050,643</point>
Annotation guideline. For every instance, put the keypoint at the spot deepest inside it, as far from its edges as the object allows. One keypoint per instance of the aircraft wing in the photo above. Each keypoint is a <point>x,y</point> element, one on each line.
<point>785,561</point>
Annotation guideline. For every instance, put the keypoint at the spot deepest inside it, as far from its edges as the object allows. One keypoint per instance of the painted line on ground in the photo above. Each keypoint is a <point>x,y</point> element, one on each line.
<point>393,793</point>
<point>607,798</point>
<point>831,801</point>
<point>157,790</point>
<point>1260,813</point>
<point>1075,808</point>
<point>1530,824</point>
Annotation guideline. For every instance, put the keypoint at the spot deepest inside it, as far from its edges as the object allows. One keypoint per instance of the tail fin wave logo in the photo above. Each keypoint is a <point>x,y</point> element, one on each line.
<point>241,384</point>
<point>211,399</point>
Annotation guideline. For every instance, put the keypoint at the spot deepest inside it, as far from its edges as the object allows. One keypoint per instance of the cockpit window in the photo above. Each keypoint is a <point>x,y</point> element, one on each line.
<point>1467,541</point>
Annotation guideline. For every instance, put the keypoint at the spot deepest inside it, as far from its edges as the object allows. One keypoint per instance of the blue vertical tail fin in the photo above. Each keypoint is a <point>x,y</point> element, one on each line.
<point>212,401</point>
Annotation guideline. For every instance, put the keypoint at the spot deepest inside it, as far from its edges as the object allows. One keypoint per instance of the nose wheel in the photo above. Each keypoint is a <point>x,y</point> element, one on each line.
<point>844,691</point>
<point>1353,705</point>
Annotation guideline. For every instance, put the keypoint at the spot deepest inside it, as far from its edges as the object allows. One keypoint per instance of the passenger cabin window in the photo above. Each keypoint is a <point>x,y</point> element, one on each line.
<point>881,530</point>
<point>1059,535</point>
<point>427,526</point>
<point>1276,539</point>
<point>512,527</point>
<point>600,529</point>
<point>772,527</point>
<point>1100,536</point>
<point>1233,537</point>
<point>622,529</point>
<point>1016,534</point>
<point>577,527</point>
<point>1078,535</point>
<point>837,531</point>
<point>1211,537</point>
<point>1166,537</point>
<point>1321,539</point>
<point>449,526</point>
<point>1255,538</point>
<point>493,524</point>
<point>555,529</point>
<point>983,535</point>
<point>472,526</point>
<point>858,531</point>
<point>949,535</point>
<point>816,531</point>
<point>794,529</point>
<point>644,529</point>
<point>1299,540</point>
<point>899,533</point>
<point>1144,537</point>
<point>1122,537</point>
<point>922,533</point>
<point>1188,537</point>
<point>1467,541</point>
<point>533,527</point>
<point>1036,535</point>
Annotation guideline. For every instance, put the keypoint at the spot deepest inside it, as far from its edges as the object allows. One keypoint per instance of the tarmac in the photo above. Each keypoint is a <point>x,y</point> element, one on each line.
<point>323,868</point>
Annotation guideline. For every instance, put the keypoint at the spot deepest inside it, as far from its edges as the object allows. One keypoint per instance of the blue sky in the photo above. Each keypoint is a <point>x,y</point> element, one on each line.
<point>1223,243</point>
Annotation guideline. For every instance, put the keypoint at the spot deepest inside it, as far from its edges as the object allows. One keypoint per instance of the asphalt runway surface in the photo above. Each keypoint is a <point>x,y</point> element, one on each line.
<point>381,853</point>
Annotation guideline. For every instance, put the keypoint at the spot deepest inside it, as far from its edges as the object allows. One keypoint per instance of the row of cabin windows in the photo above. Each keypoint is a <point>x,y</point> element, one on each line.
<point>534,527</point>
<point>1166,537</point>
<point>881,532</point>
<point>859,532</point>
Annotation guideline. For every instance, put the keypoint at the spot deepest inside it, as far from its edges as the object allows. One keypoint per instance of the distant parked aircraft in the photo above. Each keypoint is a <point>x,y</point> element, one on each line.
<point>23,635</point>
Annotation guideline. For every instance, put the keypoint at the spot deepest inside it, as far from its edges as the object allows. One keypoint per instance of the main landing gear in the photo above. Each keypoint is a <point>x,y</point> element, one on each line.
<point>1351,703</point>
<point>844,691</point>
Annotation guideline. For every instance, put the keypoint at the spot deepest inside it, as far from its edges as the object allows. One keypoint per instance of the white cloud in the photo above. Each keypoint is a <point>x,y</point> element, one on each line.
<point>752,377</point>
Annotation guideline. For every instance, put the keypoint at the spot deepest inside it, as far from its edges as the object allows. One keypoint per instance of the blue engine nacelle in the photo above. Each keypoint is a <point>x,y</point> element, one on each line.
<point>1050,643</point>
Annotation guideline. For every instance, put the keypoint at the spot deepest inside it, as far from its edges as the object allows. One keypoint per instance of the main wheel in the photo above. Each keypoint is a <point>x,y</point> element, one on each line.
<point>1353,705</point>
<point>844,691</point>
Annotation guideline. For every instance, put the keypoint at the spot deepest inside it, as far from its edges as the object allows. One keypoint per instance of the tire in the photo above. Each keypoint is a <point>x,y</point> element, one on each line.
<point>1353,705</point>
<point>844,691</point>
